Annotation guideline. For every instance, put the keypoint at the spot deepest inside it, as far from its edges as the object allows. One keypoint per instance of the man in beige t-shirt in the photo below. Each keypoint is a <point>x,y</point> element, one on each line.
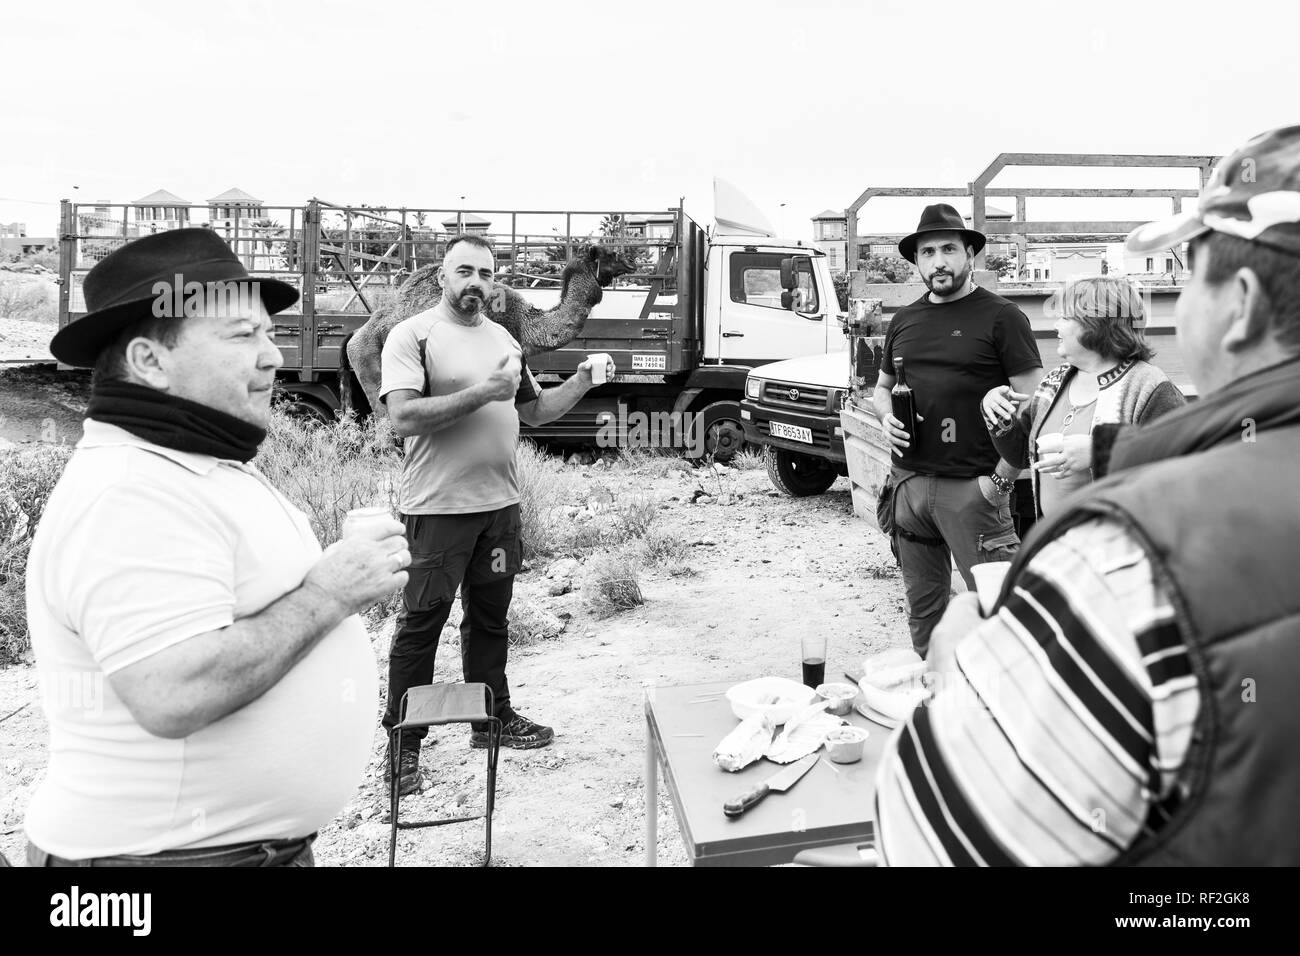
<point>456,386</point>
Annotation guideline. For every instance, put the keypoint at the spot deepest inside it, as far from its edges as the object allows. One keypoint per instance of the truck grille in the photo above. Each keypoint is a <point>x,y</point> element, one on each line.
<point>793,395</point>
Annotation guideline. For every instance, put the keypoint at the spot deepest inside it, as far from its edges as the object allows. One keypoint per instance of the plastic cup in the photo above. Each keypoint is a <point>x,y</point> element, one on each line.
<point>360,521</point>
<point>988,582</point>
<point>1051,444</point>
<point>599,367</point>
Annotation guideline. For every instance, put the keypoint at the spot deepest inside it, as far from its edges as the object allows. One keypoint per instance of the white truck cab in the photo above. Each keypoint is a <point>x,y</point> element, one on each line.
<point>751,319</point>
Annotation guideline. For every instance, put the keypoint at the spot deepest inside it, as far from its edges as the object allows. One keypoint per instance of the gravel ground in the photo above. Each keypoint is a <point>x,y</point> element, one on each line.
<point>766,569</point>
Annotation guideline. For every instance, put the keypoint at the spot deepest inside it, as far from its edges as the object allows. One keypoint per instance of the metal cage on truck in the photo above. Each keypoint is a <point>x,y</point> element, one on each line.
<point>347,261</point>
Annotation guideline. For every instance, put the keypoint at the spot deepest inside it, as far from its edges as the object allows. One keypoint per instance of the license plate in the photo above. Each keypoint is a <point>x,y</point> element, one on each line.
<point>792,432</point>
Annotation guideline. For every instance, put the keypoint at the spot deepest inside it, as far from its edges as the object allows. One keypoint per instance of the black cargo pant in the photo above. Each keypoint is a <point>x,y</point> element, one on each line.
<point>480,553</point>
<point>954,522</point>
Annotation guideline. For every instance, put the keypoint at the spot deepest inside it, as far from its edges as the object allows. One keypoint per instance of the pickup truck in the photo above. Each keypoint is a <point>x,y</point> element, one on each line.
<point>792,409</point>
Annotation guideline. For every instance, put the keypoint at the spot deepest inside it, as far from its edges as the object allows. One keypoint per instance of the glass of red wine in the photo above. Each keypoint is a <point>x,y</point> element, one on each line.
<point>814,659</point>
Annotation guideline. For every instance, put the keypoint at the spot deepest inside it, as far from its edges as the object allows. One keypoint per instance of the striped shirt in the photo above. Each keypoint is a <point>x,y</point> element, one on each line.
<point>1066,720</point>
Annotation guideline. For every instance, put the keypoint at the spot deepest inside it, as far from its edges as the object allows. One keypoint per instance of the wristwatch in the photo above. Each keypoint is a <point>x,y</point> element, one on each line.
<point>1004,485</point>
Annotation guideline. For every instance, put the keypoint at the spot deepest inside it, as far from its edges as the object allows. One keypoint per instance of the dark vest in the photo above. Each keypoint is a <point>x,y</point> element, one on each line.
<point>1222,530</point>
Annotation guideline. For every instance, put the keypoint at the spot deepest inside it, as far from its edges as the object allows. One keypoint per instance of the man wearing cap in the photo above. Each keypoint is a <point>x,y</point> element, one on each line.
<point>209,687</point>
<point>1132,698</point>
<point>951,490</point>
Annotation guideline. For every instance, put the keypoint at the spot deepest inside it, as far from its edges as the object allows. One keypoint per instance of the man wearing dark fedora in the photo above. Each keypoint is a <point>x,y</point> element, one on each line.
<point>209,688</point>
<point>951,489</point>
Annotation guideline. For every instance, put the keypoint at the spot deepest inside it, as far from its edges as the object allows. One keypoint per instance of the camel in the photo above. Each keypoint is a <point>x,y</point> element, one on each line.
<point>536,330</point>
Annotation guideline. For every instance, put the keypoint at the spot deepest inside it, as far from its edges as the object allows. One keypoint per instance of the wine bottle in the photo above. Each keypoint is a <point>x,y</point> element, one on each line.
<point>904,402</point>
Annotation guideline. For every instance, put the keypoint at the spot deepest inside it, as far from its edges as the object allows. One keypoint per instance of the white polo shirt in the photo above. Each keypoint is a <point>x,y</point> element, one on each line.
<point>142,547</point>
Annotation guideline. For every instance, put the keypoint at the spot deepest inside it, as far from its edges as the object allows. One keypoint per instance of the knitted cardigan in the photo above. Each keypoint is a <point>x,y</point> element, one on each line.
<point>1131,393</point>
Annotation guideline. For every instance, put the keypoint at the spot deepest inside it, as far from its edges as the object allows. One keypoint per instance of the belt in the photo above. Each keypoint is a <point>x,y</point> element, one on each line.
<point>263,853</point>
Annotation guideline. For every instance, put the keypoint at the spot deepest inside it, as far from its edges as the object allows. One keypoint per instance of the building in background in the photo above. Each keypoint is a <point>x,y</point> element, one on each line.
<point>467,223</point>
<point>998,245</point>
<point>1157,268</point>
<point>652,226</point>
<point>15,242</point>
<point>161,210</point>
<point>830,235</point>
<point>1069,260</point>
<point>234,211</point>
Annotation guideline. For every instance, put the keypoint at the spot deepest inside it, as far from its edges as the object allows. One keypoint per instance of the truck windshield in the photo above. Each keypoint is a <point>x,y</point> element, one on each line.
<point>756,280</point>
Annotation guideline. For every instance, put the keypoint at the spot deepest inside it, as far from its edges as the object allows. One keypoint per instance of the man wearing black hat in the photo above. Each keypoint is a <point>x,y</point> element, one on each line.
<point>951,488</point>
<point>1131,700</point>
<point>209,687</point>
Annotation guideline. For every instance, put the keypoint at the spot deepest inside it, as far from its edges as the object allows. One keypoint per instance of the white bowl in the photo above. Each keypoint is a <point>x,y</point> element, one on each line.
<point>746,698</point>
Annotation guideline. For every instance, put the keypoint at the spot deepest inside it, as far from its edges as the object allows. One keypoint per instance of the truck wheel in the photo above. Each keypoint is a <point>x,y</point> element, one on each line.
<point>305,410</point>
<point>798,475</point>
<point>723,433</point>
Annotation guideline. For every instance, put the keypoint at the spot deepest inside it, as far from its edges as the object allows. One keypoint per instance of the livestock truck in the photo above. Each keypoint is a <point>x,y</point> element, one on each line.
<point>700,310</point>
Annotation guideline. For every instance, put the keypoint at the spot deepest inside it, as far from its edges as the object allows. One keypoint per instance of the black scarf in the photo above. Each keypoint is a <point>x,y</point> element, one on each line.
<point>174,422</point>
<point>1269,398</point>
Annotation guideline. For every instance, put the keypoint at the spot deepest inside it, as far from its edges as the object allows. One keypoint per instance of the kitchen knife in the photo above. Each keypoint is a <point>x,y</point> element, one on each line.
<point>780,781</point>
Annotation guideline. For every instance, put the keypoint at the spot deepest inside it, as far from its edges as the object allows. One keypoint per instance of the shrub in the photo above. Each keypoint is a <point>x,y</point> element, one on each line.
<point>578,539</point>
<point>529,623</point>
<point>665,547</point>
<point>545,488</point>
<point>633,518</point>
<point>747,460</point>
<point>612,582</point>
<point>28,301</point>
<point>47,258</point>
<point>327,469</point>
<point>841,281</point>
<point>26,479</point>
<point>15,641</point>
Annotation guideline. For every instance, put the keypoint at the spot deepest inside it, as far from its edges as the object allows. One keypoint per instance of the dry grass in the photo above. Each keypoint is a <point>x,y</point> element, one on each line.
<point>28,300</point>
<point>545,489</point>
<point>579,539</point>
<point>48,259</point>
<point>529,623</point>
<point>377,296</point>
<point>747,460</point>
<point>612,581</point>
<point>27,477</point>
<point>667,550</point>
<point>326,470</point>
<point>15,641</point>
<point>880,571</point>
<point>633,517</point>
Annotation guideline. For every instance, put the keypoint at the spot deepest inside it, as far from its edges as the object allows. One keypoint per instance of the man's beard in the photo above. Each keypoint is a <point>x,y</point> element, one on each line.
<point>959,280</point>
<point>458,300</point>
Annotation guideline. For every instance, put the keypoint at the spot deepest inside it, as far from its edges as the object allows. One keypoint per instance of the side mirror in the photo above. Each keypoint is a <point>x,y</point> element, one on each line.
<point>789,281</point>
<point>794,298</point>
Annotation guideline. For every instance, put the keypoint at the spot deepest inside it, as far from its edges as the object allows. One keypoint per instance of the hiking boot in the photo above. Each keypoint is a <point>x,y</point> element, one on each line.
<point>518,733</point>
<point>408,772</point>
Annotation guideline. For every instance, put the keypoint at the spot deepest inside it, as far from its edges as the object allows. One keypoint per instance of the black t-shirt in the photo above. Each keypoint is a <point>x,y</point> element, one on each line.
<point>953,353</point>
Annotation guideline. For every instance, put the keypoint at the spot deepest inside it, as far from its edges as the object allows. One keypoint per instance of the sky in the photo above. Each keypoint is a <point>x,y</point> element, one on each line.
<point>622,106</point>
